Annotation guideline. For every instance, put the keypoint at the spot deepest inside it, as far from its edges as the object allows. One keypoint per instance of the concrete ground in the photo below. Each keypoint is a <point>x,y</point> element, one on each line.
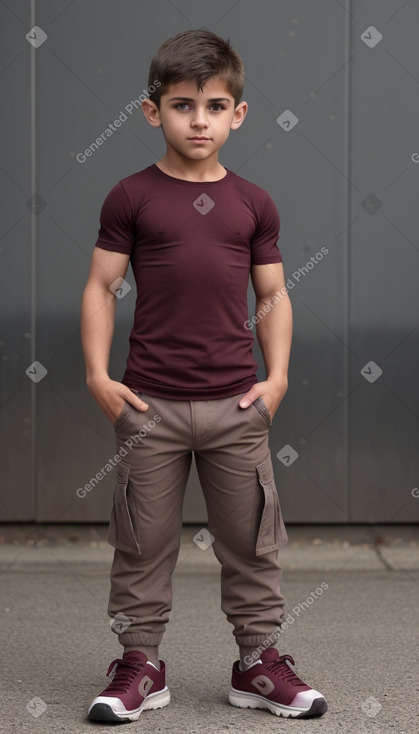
<point>357,642</point>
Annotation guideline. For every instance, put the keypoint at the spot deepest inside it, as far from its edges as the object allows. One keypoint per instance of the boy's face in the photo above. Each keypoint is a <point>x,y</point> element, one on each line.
<point>196,123</point>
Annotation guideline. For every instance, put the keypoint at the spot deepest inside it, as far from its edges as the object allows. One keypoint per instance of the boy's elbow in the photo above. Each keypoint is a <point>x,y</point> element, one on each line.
<point>94,288</point>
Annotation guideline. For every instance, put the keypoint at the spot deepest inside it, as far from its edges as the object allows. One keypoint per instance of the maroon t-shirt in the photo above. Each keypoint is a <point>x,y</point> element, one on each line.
<point>191,246</point>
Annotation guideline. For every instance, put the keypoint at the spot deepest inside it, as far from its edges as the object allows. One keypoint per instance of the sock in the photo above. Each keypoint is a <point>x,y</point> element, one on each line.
<point>151,653</point>
<point>249,666</point>
<point>248,653</point>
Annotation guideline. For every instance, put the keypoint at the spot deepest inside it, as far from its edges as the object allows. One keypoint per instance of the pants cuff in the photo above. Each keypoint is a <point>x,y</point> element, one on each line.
<point>140,638</point>
<point>269,639</point>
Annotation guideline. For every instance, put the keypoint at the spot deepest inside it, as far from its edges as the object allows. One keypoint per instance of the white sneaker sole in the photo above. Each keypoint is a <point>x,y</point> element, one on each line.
<point>244,700</point>
<point>106,708</point>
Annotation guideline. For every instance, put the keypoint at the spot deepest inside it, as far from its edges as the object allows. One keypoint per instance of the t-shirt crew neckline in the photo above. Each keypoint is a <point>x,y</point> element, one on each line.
<point>220,182</point>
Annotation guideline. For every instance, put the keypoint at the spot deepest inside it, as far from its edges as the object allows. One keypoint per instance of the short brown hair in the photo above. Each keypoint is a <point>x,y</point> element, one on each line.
<point>196,55</point>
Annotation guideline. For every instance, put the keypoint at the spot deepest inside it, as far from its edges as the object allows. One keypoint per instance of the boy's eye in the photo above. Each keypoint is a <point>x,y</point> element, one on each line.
<point>182,105</point>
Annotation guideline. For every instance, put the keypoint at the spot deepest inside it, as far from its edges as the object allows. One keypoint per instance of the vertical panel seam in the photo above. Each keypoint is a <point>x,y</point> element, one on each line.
<point>32,248</point>
<point>347,260</point>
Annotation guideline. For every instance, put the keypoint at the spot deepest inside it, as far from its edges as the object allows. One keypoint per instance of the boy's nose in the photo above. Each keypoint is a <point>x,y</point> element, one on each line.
<point>200,120</point>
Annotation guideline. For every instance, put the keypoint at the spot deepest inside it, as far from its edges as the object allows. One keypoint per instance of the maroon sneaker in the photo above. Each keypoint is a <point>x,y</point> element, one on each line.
<point>272,684</point>
<point>136,685</point>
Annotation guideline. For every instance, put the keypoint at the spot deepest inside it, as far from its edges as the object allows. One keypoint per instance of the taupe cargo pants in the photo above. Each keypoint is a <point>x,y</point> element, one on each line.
<point>234,466</point>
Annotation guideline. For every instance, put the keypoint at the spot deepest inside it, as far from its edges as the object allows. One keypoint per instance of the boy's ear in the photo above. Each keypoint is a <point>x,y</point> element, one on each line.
<point>151,112</point>
<point>239,114</point>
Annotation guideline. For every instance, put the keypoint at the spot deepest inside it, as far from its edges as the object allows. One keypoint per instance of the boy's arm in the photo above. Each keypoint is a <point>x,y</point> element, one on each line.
<point>97,327</point>
<point>274,334</point>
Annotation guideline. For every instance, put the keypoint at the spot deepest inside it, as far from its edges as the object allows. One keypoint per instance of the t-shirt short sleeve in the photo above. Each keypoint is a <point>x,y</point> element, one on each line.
<point>264,247</point>
<point>117,227</point>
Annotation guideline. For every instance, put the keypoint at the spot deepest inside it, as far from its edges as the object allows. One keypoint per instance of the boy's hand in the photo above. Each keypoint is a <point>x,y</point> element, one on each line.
<point>111,396</point>
<point>270,391</point>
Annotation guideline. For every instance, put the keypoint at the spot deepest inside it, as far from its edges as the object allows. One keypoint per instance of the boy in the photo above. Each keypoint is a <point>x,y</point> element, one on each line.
<point>193,232</point>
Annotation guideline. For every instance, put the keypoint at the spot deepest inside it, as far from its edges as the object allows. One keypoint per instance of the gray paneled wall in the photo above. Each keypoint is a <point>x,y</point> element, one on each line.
<point>331,133</point>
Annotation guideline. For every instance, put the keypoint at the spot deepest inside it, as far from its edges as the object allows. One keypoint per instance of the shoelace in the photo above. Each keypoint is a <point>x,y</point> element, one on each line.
<point>280,669</point>
<point>126,671</point>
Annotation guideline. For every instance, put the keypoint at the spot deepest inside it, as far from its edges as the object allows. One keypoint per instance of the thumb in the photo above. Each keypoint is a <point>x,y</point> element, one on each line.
<point>248,398</point>
<point>141,404</point>
<point>136,401</point>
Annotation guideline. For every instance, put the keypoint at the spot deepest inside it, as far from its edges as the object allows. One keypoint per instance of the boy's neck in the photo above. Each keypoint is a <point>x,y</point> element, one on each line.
<point>190,170</point>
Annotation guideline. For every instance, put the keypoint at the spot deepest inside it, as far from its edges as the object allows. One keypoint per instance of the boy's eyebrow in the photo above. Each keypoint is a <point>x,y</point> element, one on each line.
<point>190,99</point>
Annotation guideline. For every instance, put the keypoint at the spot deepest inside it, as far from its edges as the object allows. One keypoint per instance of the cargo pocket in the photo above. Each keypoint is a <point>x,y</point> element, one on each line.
<point>272,532</point>
<point>123,524</point>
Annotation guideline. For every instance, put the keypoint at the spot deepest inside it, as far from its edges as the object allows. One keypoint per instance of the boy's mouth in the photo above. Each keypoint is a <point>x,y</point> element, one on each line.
<point>199,137</point>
